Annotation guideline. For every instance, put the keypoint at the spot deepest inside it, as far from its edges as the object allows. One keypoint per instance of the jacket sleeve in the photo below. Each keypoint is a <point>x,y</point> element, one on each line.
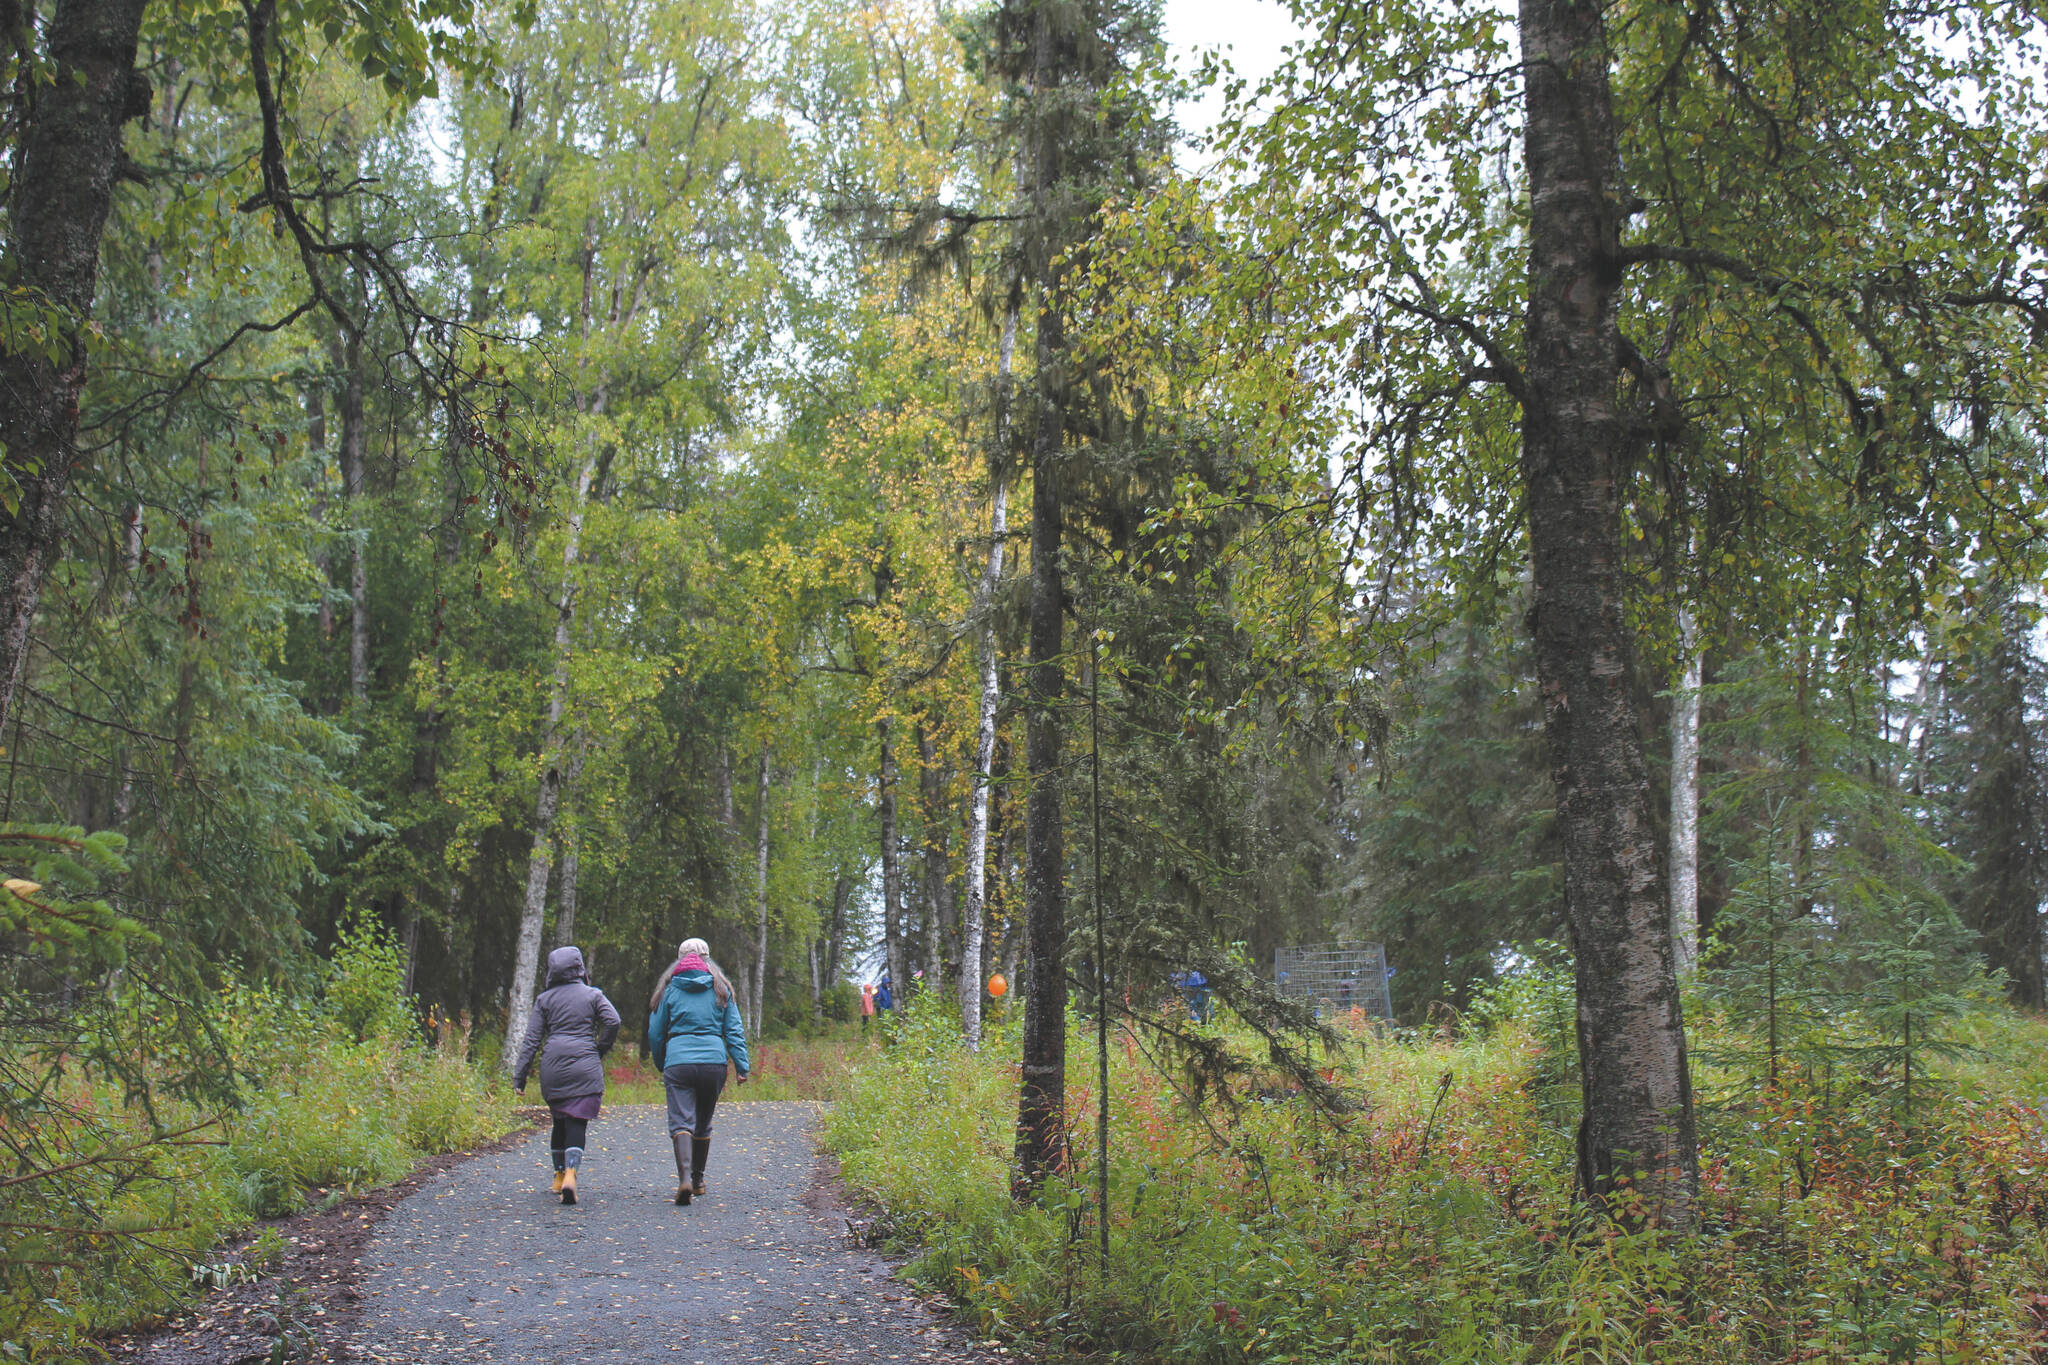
<point>608,1023</point>
<point>735,1036</point>
<point>657,1033</point>
<point>536,1030</point>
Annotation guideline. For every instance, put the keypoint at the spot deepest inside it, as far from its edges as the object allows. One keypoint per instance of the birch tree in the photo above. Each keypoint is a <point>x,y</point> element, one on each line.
<point>1617,256</point>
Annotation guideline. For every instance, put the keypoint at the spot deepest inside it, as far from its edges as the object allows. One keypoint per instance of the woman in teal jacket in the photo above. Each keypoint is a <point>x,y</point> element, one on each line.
<point>693,1030</point>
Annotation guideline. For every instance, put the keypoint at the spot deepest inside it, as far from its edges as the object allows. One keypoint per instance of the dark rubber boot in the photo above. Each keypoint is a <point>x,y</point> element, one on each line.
<point>680,1142</point>
<point>571,1159</point>
<point>700,1149</point>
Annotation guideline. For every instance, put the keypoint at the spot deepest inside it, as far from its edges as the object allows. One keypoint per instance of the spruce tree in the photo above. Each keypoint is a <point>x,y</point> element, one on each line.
<point>1456,855</point>
<point>1999,793</point>
<point>1080,137</point>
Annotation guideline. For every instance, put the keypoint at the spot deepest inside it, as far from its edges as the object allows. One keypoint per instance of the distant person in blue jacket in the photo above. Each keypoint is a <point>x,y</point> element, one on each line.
<point>694,1030</point>
<point>885,999</point>
<point>1194,988</point>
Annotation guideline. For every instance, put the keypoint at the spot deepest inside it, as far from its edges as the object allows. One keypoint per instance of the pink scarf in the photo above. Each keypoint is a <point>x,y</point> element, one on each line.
<point>690,963</point>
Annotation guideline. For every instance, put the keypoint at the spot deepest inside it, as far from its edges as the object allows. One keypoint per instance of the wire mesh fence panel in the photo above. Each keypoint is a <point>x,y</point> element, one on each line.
<point>1339,976</point>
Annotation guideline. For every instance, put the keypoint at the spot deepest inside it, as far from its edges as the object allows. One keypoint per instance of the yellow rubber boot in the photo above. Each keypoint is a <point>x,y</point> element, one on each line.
<point>572,1157</point>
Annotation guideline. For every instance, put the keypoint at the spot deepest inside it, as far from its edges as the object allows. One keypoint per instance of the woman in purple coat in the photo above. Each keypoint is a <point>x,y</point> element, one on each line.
<point>572,1026</point>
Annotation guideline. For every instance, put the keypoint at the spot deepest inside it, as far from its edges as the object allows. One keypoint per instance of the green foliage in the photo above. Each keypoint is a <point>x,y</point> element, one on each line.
<point>1834,946</point>
<point>841,1003</point>
<point>1456,863</point>
<point>44,906</point>
<point>814,1068</point>
<point>319,1112</point>
<point>578,306</point>
<point>1537,997</point>
<point>1439,1225</point>
<point>366,984</point>
<point>1984,757</point>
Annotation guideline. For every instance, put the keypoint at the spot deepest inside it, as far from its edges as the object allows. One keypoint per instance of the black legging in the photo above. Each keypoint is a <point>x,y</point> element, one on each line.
<point>568,1133</point>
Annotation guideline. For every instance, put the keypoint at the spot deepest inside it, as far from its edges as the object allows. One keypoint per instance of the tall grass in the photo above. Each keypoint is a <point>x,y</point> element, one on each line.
<point>817,1068</point>
<point>1437,1223</point>
<point>142,1192</point>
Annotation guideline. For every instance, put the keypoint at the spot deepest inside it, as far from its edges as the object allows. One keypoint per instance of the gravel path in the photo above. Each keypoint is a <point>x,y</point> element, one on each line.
<point>484,1264</point>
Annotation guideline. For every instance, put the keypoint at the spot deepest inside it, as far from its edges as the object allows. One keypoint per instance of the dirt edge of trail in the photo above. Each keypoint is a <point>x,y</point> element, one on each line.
<point>310,1296</point>
<point>866,1225</point>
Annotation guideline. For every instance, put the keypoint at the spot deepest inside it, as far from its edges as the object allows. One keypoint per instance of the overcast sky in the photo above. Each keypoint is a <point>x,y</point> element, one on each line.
<point>1251,31</point>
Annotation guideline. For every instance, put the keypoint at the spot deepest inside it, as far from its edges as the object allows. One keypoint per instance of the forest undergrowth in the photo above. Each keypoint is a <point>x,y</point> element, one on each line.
<point>1841,1218</point>
<point>818,1068</point>
<point>338,1093</point>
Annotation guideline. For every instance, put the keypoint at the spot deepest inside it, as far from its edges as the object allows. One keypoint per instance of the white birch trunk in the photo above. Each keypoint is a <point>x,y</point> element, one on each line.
<point>526,955</point>
<point>1685,802</point>
<point>975,914</point>
<point>567,885</point>
<point>760,894</point>
<point>892,869</point>
<point>572,860</point>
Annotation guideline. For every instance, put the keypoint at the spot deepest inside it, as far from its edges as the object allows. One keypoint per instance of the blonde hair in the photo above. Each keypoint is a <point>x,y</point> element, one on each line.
<point>721,988</point>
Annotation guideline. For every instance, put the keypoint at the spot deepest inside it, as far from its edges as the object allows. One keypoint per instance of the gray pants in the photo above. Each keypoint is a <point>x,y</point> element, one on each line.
<point>693,1089</point>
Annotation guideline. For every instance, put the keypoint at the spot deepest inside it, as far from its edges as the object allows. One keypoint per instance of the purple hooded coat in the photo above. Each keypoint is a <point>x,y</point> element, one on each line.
<point>572,1026</point>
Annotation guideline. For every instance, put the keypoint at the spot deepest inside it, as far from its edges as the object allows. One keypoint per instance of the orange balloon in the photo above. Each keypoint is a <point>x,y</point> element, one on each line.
<point>997,986</point>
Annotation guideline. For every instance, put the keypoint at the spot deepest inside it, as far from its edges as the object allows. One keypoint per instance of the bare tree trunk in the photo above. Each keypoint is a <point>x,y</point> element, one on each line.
<point>1013,954</point>
<point>1917,740</point>
<point>973,925</point>
<point>316,443</point>
<point>1041,1103</point>
<point>354,441</point>
<point>526,955</point>
<point>1003,817</point>
<point>842,894</point>
<point>892,870</point>
<point>565,888</point>
<point>430,725</point>
<point>185,702</point>
<point>1802,767</point>
<point>572,855</point>
<point>1685,802</point>
<point>938,885</point>
<point>124,775</point>
<point>817,984</point>
<point>760,889</point>
<point>1637,1128</point>
<point>412,945</point>
<point>67,147</point>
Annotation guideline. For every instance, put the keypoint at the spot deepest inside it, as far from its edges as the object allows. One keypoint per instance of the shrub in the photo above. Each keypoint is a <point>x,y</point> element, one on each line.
<point>321,1113</point>
<point>1438,1224</point>
<point>366,983</point>
<point>842,1003</point>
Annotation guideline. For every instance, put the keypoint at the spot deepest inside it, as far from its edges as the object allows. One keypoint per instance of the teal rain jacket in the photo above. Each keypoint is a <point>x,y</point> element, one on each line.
<point>690,1027</point>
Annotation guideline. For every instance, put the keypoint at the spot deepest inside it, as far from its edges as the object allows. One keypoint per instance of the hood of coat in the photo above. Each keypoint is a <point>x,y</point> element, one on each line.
<point>565,964</point>
<point>694,979</point>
